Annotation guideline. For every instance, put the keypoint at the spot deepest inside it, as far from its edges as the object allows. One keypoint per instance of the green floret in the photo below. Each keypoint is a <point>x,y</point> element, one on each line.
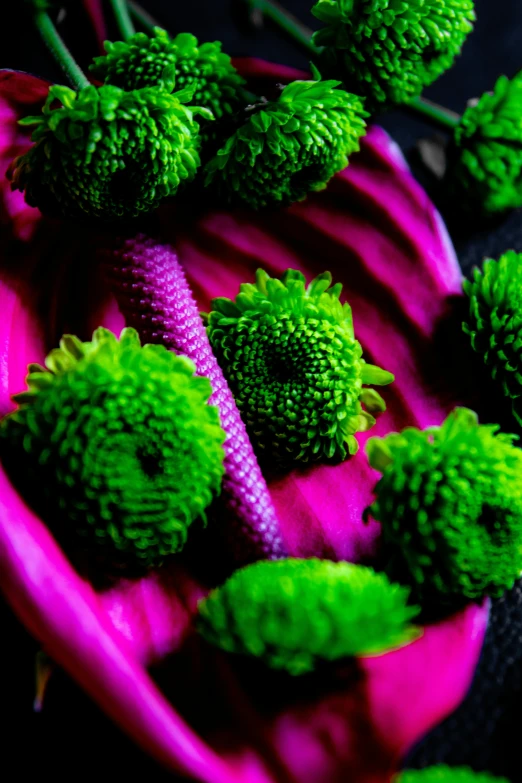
<point>444,774</point>
<point>293,614</point>
<point>121,444</point>
<point>108,154</point>
<point>450,505</point>
<point>388,51</point>
<point>289,147</point>
<point>295,368</point>
<point>160,61</point>
<point>484,174</point>
<point>494,323</point>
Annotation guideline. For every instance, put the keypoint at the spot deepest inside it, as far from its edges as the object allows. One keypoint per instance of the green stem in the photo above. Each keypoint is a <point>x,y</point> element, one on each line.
<point>444,118</point>
<point>286,22</point>
<point>142,17</point>
<point>59,51</point>
<point>123,20</point>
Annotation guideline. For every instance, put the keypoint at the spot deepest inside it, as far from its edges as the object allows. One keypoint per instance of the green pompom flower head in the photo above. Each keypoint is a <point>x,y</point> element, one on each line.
<point>444,774</point>
<point>295,614</point>
<point>389,50</point>
<point>296,370</point>
<point>158,60</point>
<point>121,444</point>
<point>450,505</point>
<point>484,174</point>
<point>106,153</point>
<point>289,147</point>
<point>494,323</point>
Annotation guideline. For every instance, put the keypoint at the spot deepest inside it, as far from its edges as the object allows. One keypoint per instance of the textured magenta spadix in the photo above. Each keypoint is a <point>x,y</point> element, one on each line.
<point>154,297</point>
<point>376,230</point>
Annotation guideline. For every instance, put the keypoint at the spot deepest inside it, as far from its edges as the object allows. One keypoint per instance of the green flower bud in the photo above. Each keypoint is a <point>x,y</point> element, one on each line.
<point>289,147</point>
<point>494,323</point>
<point>295,368</point>
<point>151,61</point>
<point>121,444</point>
<point>450,505</point>
<point>484,174</point>
<point>106,153</point>
<point>444,774</point>
<point>389,50</point>
<point>293,614</point>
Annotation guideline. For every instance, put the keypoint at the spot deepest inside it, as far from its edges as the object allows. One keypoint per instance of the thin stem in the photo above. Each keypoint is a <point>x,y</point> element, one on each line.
<point>123,20</point>
<point>444,118</point>
<point>142,17</point>
<point>59,50</point>
<point>286,22</point>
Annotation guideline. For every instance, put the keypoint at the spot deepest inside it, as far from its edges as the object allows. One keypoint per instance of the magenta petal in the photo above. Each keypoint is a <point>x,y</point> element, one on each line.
<point>361,731</point>
<point>378,233</point>
<point>17,218</point>
<point>20,87</point>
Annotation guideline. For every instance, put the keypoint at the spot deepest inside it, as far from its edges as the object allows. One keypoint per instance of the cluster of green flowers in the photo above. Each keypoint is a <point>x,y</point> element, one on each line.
<point>103,428</point>
<point>116,151</point>
<point>120,438</point>
<point>449,500</point>
<point>389,51</point>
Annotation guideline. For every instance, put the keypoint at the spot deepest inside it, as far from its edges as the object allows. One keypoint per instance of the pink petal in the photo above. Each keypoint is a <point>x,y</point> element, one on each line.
<point>19,87</point>
<point>378,233</point>
<point>17,219</point>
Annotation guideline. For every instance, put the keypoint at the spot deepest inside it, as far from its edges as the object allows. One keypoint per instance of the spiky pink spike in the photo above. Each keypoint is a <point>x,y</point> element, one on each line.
<point>154,297</point>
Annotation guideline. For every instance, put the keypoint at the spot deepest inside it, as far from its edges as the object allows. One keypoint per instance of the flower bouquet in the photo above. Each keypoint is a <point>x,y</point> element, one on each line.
<point>238,432</point>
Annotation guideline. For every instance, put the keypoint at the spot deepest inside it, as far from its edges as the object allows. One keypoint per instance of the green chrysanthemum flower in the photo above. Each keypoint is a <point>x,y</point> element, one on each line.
<point>121,443</point>
<point>494,323</point>
<point>296,370</point>
<point>108,154</point>
<point>444,774</point>
<point>295,613</point>
<point>389,50</point>
<point>450,505</point>
<point>289,147</point>
<point>484,173</point>
<point>149,61</point>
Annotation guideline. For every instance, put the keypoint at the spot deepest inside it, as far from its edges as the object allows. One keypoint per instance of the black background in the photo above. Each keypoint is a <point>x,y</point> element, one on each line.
<point>71,737</point>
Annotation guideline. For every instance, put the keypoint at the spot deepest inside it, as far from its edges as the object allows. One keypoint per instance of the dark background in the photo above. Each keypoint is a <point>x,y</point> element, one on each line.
<point>71,736</point>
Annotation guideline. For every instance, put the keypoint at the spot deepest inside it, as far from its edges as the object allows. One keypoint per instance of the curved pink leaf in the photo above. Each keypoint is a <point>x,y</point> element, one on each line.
<point>378,233</point>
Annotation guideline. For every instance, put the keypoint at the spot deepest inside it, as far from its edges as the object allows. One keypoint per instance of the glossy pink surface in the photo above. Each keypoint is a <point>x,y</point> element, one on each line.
<point>375,229</point>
